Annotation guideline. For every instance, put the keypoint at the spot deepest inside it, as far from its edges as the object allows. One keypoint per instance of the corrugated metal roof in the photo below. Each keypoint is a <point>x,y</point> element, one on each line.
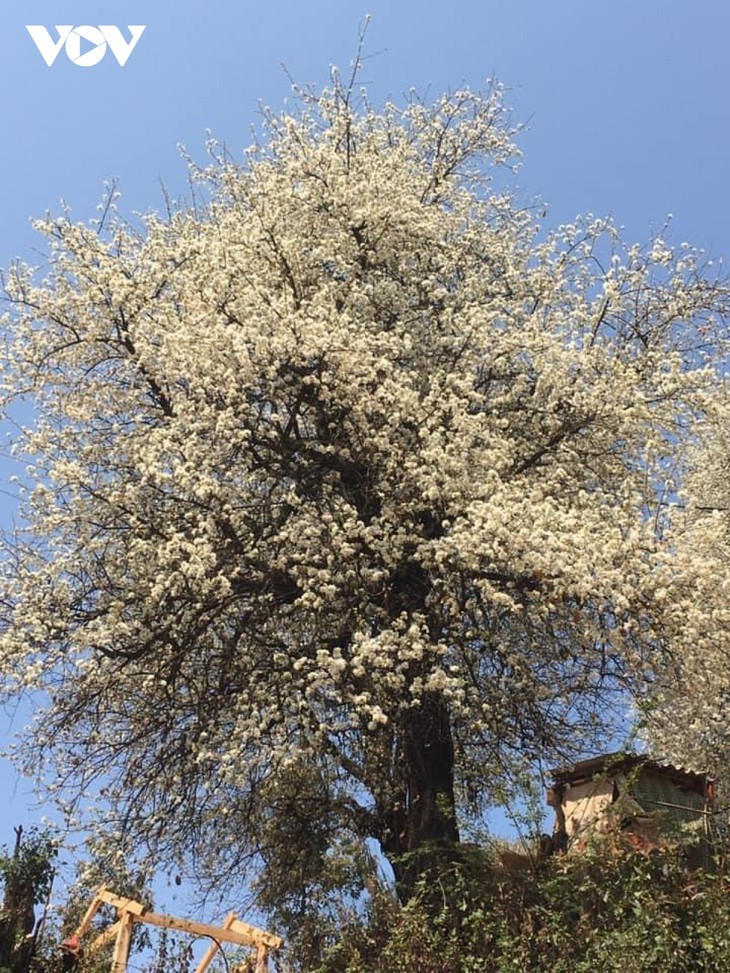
<point>690,780</point>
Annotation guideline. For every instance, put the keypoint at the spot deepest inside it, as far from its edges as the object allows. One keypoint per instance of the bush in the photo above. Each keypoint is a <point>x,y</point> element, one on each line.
<point>610,908</point>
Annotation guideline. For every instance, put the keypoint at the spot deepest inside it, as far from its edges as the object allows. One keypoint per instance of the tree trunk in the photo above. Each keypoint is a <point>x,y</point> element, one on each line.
<point>418,830</point>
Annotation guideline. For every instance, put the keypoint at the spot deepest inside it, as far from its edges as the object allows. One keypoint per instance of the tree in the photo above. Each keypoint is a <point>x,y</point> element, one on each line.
<point>344,488</point>
<point>26,876</point>
<point>685,709</point>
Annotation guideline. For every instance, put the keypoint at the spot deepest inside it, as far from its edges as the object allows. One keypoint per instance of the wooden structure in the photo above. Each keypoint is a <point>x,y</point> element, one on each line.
<point>632,793</point>
<point>129,912</point>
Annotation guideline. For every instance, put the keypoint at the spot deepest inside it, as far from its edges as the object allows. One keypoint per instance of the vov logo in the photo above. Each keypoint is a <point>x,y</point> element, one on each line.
<point>71,37</point>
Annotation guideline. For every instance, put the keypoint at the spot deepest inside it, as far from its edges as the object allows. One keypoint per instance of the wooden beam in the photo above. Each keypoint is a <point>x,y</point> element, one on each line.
<point>213,948</point>
<point>232,931</point>
<point>122,944</point>
<point>103,938</point>
<point>88,916</point>
<point>197,928</point>
<point>124,905</point>
<point>258,936</point>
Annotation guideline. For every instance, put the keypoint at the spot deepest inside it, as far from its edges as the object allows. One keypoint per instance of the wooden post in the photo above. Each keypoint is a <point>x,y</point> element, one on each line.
<point>88,917</point>
<point>213,948</point>
<point>122,944</point>
<point>232,930</point>
<point>104,938</point>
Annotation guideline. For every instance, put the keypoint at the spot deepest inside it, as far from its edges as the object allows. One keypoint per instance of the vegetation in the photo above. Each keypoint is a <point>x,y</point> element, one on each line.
<point>687,709</point>
<point>610,908</point>
<point>349,496</point>
<point>26,876</point>
<point>613,906</point>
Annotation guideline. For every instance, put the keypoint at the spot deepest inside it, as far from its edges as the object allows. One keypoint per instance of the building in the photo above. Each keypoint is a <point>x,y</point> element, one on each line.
<point>636,795</point>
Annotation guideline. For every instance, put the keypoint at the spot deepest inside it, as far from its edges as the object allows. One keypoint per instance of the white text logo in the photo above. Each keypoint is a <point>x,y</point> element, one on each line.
<point>84,56</point>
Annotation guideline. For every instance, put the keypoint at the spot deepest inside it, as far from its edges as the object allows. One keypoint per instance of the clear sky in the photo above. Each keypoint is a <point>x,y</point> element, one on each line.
<point>627,105</point>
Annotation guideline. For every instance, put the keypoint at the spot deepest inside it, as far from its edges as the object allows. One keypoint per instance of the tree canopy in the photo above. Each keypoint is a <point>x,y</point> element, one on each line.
<point>346,488</point>
<point>686,707</point>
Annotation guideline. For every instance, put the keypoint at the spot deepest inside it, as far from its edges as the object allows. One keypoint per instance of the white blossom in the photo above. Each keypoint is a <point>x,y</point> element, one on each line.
<point>348,469</point>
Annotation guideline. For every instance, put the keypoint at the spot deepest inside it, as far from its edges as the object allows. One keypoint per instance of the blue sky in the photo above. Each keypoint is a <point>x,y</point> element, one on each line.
<point>627,106</point>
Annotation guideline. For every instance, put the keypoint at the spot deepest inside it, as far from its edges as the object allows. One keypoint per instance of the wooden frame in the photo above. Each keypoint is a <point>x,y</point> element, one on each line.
<point>232,930</point>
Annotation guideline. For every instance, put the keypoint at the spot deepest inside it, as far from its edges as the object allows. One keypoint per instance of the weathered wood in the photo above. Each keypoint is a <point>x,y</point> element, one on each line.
<point>122,944</point>
<point>207,959</point>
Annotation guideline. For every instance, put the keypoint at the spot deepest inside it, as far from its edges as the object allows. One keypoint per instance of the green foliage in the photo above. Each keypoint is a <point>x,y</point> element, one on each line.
<point>30,866</point>
<point>312,869</point>
<point>172,954</point>
<point>611,908</point>
<point>26,875</point>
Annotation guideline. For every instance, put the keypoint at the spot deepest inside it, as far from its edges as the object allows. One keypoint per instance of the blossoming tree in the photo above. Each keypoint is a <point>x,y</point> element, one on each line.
<point>343,488</point>
<point>687,703</point>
